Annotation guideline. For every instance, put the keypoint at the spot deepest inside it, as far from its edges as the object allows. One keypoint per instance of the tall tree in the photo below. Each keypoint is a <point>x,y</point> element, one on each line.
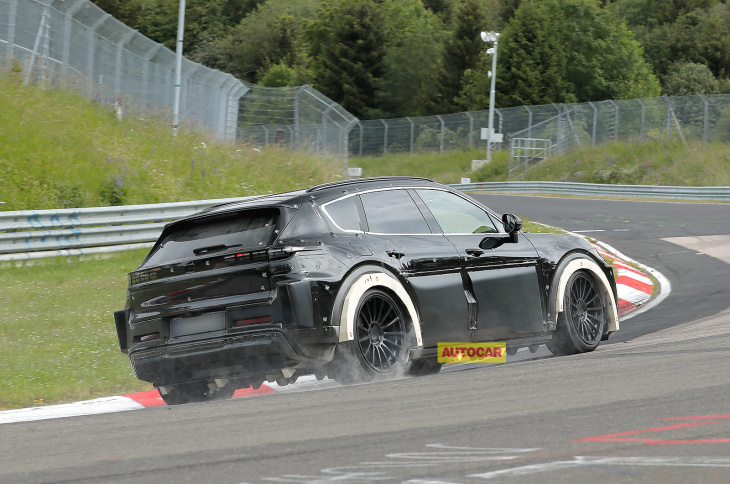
<point>461,53</point>
<point>270,35</point>
<point>564,51</point>
<point>347,46</point>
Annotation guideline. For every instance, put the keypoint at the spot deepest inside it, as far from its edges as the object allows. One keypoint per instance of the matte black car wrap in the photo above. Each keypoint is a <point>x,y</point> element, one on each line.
<point>352,280</point>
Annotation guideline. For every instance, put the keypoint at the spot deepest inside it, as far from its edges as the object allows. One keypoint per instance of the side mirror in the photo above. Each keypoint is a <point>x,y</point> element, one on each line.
<point>512,225</point>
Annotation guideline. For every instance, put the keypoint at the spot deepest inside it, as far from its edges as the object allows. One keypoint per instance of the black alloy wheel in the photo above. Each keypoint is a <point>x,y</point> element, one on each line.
<point>381,331</point>
<point>585,311</point>
<point>583,320</point>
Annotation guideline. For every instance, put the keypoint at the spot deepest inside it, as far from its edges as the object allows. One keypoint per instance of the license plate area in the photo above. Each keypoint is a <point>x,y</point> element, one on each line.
<point>204,323</point>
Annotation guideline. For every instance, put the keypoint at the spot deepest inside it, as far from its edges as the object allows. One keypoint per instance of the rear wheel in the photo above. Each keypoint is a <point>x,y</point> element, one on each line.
<point>582,322</point>
<point>380,342</point>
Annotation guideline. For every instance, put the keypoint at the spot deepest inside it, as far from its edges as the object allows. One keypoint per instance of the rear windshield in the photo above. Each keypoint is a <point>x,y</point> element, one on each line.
<point>249,229</point>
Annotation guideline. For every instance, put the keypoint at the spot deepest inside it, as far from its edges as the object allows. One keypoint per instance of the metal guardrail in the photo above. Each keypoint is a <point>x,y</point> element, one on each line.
<point>30,234</point>
<point>707,194</point>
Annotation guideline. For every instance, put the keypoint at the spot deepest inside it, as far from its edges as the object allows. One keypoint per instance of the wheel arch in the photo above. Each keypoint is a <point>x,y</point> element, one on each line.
<point>356,284</point>
<point>575,262</point>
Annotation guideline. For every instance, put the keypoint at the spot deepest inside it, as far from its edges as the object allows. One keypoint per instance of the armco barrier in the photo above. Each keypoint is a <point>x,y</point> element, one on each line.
<point>29,234</point>
<point>707,194</point>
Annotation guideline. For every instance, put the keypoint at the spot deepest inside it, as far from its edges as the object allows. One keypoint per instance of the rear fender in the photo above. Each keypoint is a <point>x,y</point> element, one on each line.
<point>357,284</point>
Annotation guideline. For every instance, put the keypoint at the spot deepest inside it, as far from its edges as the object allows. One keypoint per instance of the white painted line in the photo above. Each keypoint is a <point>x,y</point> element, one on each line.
<point>587,231</point>
<point>88,407</point>
<point>608,461</point>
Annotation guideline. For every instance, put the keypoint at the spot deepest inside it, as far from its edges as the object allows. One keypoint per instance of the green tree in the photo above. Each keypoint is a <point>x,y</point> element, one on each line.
<point>126,11</point>
<point>270,35</point>
<point>564,51</point>
<point>687,78</point>
<point>413,37</point>
<point>461,53</point>
<point>346,44</point>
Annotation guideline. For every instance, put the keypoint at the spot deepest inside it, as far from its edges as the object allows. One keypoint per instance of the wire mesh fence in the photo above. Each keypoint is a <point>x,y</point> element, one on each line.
<point>299,118</point>
<point>562,126</point>
<point>75,44</point>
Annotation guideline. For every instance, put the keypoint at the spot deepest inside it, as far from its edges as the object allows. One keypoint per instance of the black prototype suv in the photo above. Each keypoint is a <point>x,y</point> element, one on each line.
<point>353,280</point>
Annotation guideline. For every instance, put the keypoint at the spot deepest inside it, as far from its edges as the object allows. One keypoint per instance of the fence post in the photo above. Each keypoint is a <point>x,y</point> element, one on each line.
<point>12,14</point>
<point>43,29</point>
<point>595,121</point>
<point>146,73</point>
<point>412,129</point>
<point>499,113</point>
<point>360,124</point>
<point>529,121</point>
<point>643,118</point>
<point>296,115</point>
<point>67,23</point>
<point>441,143</point>
<point>471,129</point>
<point>385,137</point>
<point>91,51</point>
<point>118,67</point>
<point>706,118</point>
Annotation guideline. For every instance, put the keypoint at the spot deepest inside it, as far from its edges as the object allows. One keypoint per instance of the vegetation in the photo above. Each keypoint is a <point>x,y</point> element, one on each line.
<point>57,333</point>
<point>58,150</point>
<point>397,58</point>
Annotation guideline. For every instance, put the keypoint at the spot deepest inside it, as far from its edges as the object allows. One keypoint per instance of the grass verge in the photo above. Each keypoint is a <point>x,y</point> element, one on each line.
<point>58,341</point>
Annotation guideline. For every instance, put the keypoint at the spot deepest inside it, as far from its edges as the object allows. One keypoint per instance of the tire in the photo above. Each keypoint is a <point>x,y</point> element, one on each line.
<point>583,320</point>
<point>196,392</point>
<point>380,344</point>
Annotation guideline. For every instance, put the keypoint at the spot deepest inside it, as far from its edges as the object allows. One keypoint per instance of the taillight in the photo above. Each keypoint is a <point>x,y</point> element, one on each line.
<point>259,320</point>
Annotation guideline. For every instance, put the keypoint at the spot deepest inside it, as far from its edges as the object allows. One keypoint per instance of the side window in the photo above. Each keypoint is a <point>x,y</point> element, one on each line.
<point>393,212</point>
<point>344,214</point>
<point>305,223</point>
<point>456,215</point>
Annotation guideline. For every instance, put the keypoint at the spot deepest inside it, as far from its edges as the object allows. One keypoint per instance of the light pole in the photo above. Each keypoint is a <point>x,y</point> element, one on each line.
<point>178,67</point>
<point>491,37</point>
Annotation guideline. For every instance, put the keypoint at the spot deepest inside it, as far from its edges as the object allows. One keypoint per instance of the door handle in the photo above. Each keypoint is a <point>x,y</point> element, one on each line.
<point>395,253</point>
<point>474,252</point>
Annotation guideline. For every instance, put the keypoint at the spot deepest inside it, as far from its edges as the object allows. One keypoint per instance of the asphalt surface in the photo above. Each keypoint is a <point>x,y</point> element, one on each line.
<point>651,406</point>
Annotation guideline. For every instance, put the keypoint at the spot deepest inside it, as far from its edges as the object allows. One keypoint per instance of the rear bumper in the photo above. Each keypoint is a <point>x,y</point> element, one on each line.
<point>247,357</point>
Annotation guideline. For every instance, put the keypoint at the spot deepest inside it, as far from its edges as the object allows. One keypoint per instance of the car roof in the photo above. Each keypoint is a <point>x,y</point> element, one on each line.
<point>320,193</point>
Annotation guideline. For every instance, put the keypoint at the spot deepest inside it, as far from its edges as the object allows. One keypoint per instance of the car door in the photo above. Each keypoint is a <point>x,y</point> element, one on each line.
<point>503,280</point>
<point>398,233</point>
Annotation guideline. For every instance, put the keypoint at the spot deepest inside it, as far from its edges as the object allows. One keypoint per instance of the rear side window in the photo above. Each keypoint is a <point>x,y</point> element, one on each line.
<point>305,223</point>
<point>247,229</point>
<point>344,214</point>
<point>393,212</point>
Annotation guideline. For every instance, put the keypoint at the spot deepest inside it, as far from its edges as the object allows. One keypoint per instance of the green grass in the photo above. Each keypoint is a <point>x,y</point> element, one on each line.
<point>669,163</point>
<point>58,150</point>
<point>448,167</point>
<point>58,340</point>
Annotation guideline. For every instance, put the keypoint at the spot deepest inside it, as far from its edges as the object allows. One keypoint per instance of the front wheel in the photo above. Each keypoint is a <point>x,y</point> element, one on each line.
<point>582,322</point>
<point>380,343</point>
